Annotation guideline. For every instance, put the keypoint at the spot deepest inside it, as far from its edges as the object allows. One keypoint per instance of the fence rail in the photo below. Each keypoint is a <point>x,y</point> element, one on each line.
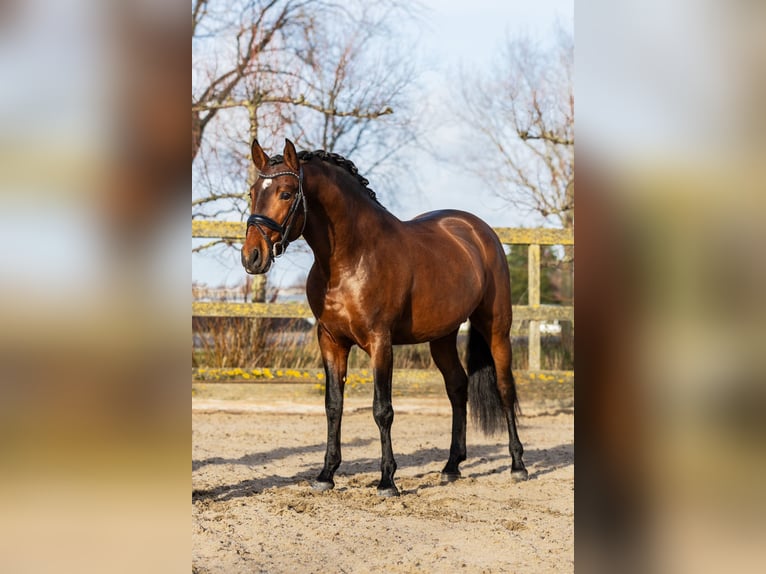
<point>534,313</point>
<point>235,231</point>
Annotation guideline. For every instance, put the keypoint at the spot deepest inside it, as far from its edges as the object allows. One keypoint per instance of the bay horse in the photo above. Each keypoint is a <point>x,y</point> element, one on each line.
<point>376,282</point>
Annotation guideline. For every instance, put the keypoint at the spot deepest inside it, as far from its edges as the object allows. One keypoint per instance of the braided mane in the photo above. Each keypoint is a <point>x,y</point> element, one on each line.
<point>334,159</point>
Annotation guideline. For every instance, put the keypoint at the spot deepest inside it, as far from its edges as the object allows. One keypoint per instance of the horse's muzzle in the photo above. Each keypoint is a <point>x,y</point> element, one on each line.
<point>254,263</point>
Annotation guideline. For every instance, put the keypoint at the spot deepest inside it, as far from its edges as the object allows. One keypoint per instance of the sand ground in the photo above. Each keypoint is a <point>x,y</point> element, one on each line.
<point>253,509</point>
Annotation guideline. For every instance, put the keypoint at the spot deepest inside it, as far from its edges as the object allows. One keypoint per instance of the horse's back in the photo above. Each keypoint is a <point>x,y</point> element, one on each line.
<point>453,219</point>
<point>456,225</point>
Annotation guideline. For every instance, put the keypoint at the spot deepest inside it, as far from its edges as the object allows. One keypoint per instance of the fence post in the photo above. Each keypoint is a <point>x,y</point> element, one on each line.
<point>533,272</point>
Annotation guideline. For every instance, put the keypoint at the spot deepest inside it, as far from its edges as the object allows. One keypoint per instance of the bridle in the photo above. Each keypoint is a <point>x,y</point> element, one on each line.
<point>256,220</point>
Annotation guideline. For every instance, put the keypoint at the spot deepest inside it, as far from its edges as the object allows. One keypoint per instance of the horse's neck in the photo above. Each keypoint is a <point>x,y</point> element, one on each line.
<point>340,220</point>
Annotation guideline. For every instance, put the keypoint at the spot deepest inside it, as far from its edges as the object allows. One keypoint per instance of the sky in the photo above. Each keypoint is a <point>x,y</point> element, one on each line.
<point>452,38</point>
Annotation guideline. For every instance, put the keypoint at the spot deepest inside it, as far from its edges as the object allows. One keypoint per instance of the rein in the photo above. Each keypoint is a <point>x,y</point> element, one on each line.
<point>278,248</point>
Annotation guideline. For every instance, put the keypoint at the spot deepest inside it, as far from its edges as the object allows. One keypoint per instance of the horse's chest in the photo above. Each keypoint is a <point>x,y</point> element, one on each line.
<point>349,304</point>
<point>340,306</point>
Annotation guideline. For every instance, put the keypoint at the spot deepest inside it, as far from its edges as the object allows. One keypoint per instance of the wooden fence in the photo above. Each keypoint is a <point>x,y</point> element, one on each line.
<point>534,312</point>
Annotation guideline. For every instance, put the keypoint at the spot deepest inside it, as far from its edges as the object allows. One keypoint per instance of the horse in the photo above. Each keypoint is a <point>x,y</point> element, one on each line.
<point>376,282</point>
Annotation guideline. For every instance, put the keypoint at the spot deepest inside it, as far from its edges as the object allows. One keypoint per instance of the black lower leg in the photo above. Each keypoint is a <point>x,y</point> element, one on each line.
<point>457,451</point>
<point>384,417</point>
<point>383,411</point>
<point>444,353</point>
<point>334,412</point>
<point>335,359</point>
<point>518,470</point>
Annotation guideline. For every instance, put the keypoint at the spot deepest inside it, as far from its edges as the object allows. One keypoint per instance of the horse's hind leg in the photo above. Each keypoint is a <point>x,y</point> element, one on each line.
<point>501,353</point>
<point>444,353</point>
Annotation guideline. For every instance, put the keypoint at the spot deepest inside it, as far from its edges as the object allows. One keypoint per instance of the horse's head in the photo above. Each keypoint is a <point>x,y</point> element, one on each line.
<point>277,207</point>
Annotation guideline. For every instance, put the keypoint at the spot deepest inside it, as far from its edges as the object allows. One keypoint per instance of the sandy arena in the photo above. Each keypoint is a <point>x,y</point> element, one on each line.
<point>253,509</point>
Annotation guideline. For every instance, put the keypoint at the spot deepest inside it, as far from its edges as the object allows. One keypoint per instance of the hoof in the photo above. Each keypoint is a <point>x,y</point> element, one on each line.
<point>388,492</point>
<point>519,475</point>
<point>319,486</point>
<point>449,477</point>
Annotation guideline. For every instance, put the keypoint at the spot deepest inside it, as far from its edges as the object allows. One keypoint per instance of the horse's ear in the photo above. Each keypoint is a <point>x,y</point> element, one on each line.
<point>291,157</point>
<point>260,159</point>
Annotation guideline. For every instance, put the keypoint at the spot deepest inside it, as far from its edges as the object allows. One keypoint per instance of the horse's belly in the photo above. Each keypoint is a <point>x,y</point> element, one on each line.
<point>437,305</point>
<point>427,326</point>
<point>412,338</point>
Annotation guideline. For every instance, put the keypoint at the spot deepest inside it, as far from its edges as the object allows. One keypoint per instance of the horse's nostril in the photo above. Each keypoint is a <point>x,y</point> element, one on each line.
<point>255,259</point>
<point>251,259</point>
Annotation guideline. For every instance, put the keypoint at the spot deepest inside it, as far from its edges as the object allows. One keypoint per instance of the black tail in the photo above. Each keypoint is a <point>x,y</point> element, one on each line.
<point>487,409</point>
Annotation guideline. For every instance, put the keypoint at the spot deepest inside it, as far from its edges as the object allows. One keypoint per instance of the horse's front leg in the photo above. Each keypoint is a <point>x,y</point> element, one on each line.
<point>382,356</point>
<point>335,359</point>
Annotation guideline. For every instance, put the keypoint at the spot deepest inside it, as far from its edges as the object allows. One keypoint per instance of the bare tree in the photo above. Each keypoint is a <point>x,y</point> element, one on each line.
<point>229,37</point>
<point>331,74</point>
<point>524,112</point>
<point>362,69</point>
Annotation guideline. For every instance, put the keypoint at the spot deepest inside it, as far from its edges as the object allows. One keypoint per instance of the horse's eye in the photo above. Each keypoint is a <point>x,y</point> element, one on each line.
<point>285,195</point>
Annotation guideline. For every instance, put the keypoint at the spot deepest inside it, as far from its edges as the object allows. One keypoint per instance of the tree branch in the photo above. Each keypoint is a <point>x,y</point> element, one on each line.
<point>546,136</point>
<point>213,243</point>
<point>297,101</point>
<point>216,197</point>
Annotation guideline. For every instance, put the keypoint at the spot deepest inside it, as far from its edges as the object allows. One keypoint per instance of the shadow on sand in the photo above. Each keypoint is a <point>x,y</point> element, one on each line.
<point>539,462</point>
